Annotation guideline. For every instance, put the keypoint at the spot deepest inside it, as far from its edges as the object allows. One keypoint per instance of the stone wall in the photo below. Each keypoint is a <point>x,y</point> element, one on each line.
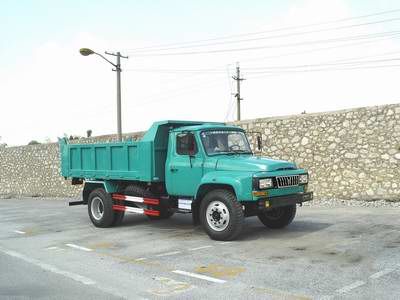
<point>350,154</point>
<point>34,171</point>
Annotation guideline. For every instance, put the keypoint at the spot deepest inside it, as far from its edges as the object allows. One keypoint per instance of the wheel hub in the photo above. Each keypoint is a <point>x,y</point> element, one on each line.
<point>217,216</point>
<point>97,208</point>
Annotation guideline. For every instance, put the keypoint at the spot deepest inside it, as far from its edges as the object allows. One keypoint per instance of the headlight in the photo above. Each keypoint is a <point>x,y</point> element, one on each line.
<point>303,178</point>
<point>265,183</point>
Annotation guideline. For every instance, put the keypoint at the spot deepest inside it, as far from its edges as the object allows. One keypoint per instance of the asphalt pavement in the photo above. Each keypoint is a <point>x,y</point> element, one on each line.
<point>51,251</point>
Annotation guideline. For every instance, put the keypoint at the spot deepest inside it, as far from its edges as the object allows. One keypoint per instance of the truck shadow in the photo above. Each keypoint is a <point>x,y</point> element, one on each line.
<point>181,225</point>
<point>254,231</point>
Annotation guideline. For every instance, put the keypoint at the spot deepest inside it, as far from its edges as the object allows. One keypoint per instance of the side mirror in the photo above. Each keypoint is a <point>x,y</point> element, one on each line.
<point>259,142</point>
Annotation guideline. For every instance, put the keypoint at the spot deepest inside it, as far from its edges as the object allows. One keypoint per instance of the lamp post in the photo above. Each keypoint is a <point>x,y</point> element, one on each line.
<point>117,66</point>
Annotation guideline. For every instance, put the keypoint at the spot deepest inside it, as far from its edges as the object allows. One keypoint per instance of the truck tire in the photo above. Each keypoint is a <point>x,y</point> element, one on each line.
<point>100,208</point>
<point>221,215</point>
<point>278,217</point>
<point>139,191</point>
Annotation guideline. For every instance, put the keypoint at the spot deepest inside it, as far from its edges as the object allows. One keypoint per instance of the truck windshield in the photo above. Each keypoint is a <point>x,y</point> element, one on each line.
<point>225,142</point>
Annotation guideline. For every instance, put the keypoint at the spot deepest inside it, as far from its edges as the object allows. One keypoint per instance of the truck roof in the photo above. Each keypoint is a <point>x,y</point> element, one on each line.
<point>207,126</point>
<point>162,127</point>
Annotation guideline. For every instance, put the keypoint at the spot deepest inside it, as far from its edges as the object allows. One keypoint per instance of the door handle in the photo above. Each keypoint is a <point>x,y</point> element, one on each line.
<point>173,169</point>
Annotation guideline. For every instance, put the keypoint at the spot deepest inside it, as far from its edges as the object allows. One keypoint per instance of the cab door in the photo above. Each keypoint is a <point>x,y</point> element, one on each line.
<point>184,166</point>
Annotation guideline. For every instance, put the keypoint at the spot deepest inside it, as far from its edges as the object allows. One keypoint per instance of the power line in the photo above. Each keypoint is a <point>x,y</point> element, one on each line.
<point>217,71</point>
<point>178,70</point>
<point>274,73</point>
<point>250,69</point>
<point>179,91</point>
<point>269,31</point>
<point>366,56</point>
<point>268,37</point>
<point>332,40</point>
<point>316,50</point>
<point>272,68</point>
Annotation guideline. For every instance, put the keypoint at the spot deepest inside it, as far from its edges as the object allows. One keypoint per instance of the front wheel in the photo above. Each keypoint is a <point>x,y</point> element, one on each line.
<point>278,217</point>
<point>221,215</point>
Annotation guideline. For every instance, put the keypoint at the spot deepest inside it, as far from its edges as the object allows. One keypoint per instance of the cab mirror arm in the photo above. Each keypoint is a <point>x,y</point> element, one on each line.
<point>259,143</point>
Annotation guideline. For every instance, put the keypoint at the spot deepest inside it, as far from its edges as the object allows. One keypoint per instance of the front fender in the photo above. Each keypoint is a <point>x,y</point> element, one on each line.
<point>241,182</point>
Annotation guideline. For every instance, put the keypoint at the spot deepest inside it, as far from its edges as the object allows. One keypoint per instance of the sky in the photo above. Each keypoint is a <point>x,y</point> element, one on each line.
<point>296,56</point>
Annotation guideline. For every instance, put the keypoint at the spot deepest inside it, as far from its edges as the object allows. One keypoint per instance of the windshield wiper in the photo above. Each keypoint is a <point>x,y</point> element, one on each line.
<point>221,152</point>
<point>241,152</point>
<point>232,152</point>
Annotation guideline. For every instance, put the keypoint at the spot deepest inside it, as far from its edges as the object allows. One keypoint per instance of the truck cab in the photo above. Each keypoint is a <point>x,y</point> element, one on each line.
<point>220,154</point>
<point>207,169</point>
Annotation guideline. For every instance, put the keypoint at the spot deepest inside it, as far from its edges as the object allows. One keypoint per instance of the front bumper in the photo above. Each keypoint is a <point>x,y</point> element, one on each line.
<point>278,201</point>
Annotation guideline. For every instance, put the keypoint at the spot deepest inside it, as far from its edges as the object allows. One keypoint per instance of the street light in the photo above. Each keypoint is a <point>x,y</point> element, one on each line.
<point>86,51</point>
<point>117,66</point>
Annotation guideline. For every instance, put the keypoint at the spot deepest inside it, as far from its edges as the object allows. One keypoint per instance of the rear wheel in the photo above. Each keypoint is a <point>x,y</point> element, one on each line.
<point>100,208</point>
<point>278,217</point>
<point>221,215</point>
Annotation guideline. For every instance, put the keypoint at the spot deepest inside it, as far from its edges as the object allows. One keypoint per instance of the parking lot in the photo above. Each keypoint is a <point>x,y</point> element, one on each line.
<point>50,250</point>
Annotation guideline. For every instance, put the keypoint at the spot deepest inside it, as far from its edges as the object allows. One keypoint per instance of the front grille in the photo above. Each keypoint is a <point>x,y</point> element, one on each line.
<point>285,181</point>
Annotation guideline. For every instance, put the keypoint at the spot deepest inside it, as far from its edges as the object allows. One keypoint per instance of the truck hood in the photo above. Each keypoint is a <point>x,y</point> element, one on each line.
<point>251,164</point>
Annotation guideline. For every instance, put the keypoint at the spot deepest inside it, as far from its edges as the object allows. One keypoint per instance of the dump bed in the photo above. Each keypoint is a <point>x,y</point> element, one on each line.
<point>124,160</point>
<point>142,160</point>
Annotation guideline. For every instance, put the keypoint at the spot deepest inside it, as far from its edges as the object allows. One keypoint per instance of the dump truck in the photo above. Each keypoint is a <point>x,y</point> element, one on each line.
<point>207,169</point>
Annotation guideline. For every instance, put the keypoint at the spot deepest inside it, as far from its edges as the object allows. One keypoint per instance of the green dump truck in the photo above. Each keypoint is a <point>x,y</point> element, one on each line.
<point>207,169</point>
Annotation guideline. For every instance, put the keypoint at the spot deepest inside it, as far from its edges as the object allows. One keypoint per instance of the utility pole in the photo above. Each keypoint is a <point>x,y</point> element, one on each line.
<point>117,66</point>
<point>237,95</point>
<point>118,70</point>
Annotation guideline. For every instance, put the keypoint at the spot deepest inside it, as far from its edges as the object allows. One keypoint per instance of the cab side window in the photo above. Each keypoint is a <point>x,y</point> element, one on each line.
<point>186,144</point>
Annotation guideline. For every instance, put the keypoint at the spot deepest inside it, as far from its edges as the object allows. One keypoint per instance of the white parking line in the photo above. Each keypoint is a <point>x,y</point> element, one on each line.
<point>140,258</point>
<point>168,253</point>
<point>55,248</point>
<point>79,247</point>
<point>49,215</point>
<point>224,243</point>
<point>19,231</point>
<point>50,268</point>
<point>381,273</point>
<point>350,287</point>
<point>199,248</point>
<point>199,276</point>
<point>16,208</point>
